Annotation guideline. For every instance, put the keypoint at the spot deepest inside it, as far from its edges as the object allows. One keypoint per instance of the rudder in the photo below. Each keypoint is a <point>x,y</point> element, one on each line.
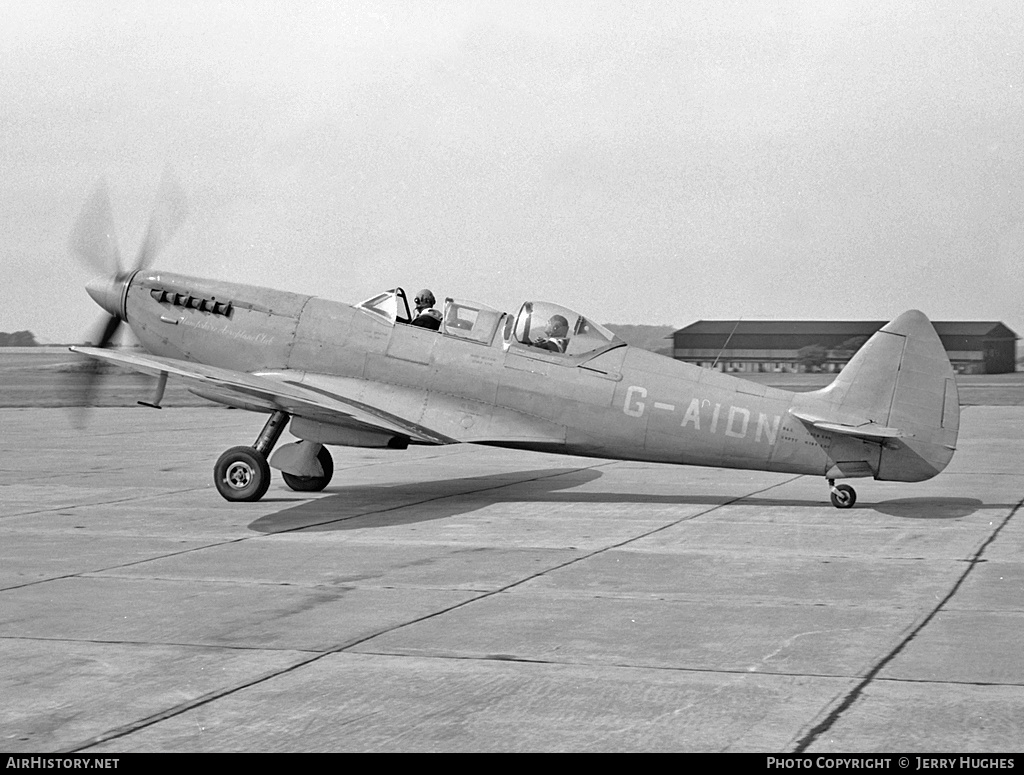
<point>901,378</point>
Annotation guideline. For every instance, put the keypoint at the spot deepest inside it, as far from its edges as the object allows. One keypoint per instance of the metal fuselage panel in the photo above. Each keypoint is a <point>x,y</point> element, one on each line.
<point>673,412</point>
<point>625,403</point>
<point>256,335</point>
<point>648,407</point>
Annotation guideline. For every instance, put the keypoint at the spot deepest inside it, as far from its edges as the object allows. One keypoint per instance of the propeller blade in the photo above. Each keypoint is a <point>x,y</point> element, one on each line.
<point>169,211</point>
<point>109,330</point>
<point>82,383</point>
<point>82,387</point>
<point>93,238</point>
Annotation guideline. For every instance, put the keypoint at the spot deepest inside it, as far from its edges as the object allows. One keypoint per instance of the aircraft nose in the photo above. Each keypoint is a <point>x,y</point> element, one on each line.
<point>107,291</point>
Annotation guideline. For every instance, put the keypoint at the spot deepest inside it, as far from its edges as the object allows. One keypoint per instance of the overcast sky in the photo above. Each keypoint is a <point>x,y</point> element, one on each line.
<point>639,162</point>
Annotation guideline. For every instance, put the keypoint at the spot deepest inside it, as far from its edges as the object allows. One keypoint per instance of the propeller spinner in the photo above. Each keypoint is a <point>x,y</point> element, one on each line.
<point>94,241</point>
<point>108,291</point>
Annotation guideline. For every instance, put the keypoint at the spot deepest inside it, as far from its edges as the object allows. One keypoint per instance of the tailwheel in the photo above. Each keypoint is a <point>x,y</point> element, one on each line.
<point>313,483</point>
<point>242,474</point>
<point>843,496</point>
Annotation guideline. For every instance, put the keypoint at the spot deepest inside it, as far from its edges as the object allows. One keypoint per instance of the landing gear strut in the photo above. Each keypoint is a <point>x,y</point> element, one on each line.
<point>313,483</point>
<point>843,495</point>
<point>242,473</point>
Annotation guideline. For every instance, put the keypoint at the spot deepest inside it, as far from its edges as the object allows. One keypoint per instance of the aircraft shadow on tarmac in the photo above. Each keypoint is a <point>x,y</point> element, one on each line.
<point>374,506</point>
<point>934,508</point>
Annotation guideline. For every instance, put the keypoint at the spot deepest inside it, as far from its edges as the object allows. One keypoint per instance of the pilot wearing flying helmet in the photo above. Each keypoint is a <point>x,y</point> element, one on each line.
<point>556,335</point>
<point>426,316</point>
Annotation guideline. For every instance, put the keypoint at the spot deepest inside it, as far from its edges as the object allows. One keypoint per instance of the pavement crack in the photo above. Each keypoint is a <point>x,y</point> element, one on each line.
<point>182,707</point>
<point>855,693</point>
<point>561,565</point>
<point>92,504</point>
<point>96,572</point>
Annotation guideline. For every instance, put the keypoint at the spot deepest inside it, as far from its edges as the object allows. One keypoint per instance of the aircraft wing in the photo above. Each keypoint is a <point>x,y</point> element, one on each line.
<point>866,429</point>
<point>273,391</point>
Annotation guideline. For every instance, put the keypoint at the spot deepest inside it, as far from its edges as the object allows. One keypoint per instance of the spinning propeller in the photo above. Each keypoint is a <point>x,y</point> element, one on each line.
<point>94,241</point>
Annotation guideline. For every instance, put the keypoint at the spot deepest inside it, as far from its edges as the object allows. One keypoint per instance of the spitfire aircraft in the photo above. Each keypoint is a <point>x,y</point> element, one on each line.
<point>364,376</point>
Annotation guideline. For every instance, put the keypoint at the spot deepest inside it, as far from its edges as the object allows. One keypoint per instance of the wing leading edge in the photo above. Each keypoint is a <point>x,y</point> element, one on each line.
<point>273,391</point>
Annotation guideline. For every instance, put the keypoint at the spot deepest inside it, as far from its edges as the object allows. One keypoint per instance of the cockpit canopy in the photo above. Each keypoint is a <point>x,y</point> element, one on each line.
<point>461,318</point>
<point>470,320</point>
<point>584,336</point>
<point>391,305</point>
<point>477,322</point>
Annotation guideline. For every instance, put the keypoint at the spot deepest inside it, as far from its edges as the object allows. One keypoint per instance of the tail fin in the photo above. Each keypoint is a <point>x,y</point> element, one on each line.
<point>901,380</point>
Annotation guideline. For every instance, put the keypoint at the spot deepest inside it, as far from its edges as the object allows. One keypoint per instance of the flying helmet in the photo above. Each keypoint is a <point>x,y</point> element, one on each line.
<point>424,298</point>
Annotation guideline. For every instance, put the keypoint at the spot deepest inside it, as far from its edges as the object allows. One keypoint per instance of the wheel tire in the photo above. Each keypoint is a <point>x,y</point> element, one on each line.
<point>242,474</point>
<point>844,497</point>
<point>313,483</point>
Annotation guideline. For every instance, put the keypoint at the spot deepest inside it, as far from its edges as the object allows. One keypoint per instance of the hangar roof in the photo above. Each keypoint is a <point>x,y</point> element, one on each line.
<point>840,328</point>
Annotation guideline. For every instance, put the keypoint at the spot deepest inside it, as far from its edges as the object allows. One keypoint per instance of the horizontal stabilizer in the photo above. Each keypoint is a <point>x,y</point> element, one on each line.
<point>871,431</point>
<point>898,388</point>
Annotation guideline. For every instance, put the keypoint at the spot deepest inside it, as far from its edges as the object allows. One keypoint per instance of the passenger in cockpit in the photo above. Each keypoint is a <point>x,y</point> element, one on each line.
<point>556,335</point>
<point>426,316</point>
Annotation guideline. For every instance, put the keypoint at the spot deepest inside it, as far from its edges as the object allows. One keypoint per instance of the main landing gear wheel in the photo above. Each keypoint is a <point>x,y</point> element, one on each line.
<point>843,496</point>
<point>242,474</point>
<point>313,483</point>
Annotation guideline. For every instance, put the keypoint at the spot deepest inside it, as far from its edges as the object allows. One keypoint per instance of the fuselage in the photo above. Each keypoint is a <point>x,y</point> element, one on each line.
<point>616,401</point>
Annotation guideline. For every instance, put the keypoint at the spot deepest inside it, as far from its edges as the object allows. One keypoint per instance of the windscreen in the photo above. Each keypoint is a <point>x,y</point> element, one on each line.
<point>558,329</point>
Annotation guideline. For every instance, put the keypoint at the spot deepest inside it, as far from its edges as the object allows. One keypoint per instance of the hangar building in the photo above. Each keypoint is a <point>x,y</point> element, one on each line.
<point>805,345</point>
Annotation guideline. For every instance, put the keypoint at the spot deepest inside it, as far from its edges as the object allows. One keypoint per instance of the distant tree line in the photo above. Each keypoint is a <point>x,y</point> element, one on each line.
<point>18,339</point>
